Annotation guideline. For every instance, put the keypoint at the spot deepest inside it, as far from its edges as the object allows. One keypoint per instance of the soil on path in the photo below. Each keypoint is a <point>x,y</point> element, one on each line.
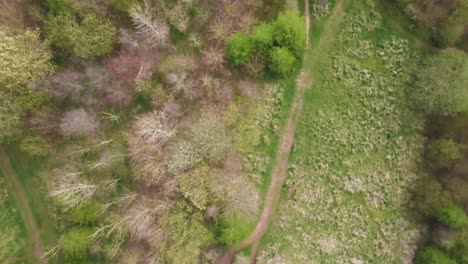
<point>279,173</point>
<point>22,205</point>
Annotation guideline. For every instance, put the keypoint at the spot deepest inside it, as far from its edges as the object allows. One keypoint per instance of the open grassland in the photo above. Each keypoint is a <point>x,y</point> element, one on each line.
<point>356,148</point>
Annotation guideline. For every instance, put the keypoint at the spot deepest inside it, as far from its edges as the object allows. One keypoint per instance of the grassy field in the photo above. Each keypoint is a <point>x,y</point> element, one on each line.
<point>356,147</point>
<point>27,194</point>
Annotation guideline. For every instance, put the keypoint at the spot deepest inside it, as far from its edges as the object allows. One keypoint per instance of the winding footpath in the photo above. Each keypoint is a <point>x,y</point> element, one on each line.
<point>279,173</point>
<point>22,204</point>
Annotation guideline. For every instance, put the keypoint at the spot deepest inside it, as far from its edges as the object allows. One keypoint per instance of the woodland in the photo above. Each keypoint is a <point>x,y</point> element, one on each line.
<point>233,131</point>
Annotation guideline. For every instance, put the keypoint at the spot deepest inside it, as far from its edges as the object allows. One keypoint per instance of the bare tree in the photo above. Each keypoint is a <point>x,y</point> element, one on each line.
<point>78,122</point>
<point>155,128</point>
<point>148,25</point>
<point>70,188</point>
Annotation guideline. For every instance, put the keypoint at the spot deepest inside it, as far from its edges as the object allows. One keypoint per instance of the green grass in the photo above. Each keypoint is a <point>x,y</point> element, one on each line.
<point>27,171</point>
<point>356,148</point>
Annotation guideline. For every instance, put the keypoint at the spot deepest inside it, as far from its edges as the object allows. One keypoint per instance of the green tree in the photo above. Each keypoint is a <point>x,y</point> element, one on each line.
<point>430,197</point>
<point>209,136</point>
<point>23,58</point>
<point>431,255</point>
<point>86,37</point>
<point>262,37</point>
<point>94,37</point>
<point>443,153</point>
<point>76,242</point>
<point>452,216</point>
<point>441,84</point>
<point>195,184</point>
<point>281,61</point>
<point>290,32</point>
<point>238,49</point>
<point>188,234</point>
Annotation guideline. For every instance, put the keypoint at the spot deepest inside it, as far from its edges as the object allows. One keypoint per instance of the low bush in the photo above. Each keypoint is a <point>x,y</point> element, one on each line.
<point>76,243</point>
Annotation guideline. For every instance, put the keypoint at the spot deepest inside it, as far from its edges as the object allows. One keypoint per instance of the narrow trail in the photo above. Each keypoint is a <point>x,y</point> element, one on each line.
<point>279,173</point>
<point>22,205</point>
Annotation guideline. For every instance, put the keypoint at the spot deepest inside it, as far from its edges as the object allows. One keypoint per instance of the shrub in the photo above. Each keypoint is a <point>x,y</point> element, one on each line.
<point>440,86</point>
<point>76,242</point>
<point>35,146</point>
<point>289,32</point>
<point>431,255</point>
<point>452,216</point>
<point>86,214</point>
<point>23,58</point>
<point>238,49</point>
<point>443,153</point>
<point>262,37</point>
<point>281,61</point>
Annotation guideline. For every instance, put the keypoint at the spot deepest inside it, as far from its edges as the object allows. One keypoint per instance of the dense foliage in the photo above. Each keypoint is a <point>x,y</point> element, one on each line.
<point>279,43</point>
<point>440,87</point>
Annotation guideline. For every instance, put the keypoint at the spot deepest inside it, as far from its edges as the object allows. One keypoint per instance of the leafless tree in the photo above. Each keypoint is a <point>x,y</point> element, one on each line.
<point>70,188</point>
<point>148,25</point>
<point>155,128</point>
<point>78,122</point>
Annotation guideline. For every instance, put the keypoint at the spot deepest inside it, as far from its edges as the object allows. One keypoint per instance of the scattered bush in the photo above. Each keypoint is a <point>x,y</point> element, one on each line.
<point>443,153</point>
<point>238,49</point>
<point>452,216</point>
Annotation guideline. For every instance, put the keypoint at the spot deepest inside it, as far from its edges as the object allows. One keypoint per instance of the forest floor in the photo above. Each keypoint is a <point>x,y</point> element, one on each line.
<point>23,186</point>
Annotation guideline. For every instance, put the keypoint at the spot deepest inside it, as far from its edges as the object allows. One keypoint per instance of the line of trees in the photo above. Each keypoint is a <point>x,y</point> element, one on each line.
<point>440,92</point>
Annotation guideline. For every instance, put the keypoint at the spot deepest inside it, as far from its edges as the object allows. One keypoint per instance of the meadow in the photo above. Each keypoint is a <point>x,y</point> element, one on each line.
<point>356,148</point>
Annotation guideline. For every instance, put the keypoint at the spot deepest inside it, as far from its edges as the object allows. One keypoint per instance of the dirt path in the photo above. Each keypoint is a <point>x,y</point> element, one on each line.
<point>287,140</point>
<point>22,205</point>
